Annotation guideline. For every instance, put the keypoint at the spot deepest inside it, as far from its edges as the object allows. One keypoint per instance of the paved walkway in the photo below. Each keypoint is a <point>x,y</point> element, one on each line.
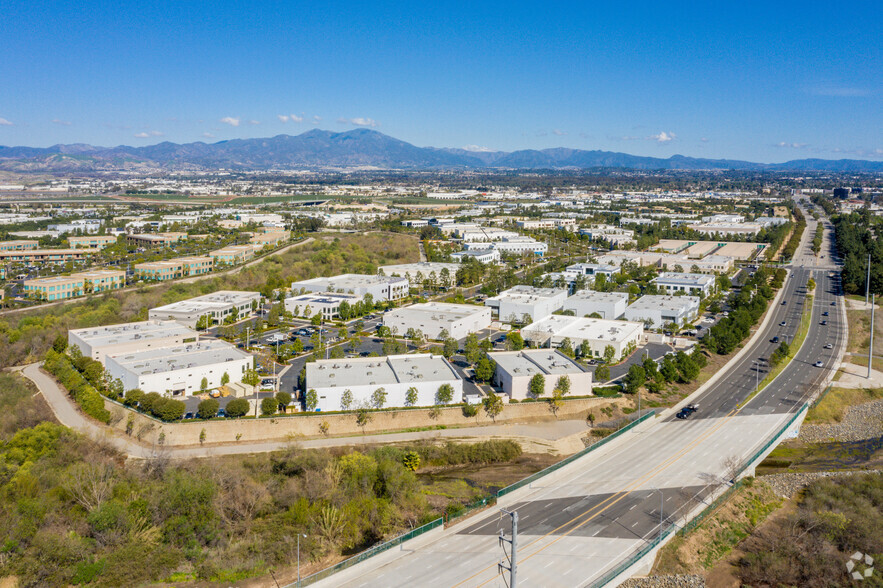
<point>544,433</point>
<point>855,376</point>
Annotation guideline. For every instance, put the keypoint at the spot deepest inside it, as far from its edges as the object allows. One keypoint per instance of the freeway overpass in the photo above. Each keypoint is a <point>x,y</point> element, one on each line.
<point>581,522</point>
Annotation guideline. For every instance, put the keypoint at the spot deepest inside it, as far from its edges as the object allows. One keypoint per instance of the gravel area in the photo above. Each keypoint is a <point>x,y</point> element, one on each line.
<point>788,485</point>
<point>863,421</point>
<point>679,581</point>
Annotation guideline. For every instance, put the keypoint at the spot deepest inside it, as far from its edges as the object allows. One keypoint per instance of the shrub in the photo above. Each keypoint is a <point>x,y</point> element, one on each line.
<point>237,407</point>
<point>207,409</point>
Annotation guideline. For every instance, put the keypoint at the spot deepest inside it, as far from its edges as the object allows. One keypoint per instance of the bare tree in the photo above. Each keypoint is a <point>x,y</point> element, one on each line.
<point>90,484</point>
<point>732,465</point>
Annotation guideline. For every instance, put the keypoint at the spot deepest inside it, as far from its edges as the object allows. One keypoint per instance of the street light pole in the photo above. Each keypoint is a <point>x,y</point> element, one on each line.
<point>299,535</point>
<point>512,568</point>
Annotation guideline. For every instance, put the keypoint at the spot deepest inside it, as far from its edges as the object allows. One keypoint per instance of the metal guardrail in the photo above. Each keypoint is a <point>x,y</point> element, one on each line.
<point>572,458</point>
<point>368,553</point>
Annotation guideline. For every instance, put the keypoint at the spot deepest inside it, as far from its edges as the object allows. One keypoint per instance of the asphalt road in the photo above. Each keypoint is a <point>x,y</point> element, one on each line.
<point>582,521</point>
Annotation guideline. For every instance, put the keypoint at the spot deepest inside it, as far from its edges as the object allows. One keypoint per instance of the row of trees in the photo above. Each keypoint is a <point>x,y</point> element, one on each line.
<point>857,236</point>
<point>746,308</point>
<point>677,368</point>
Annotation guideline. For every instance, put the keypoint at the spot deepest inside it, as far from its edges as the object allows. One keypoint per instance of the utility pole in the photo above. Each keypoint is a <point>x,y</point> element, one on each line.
<point>871,346</point>
<point>868,280</point>
<point>512,568</point>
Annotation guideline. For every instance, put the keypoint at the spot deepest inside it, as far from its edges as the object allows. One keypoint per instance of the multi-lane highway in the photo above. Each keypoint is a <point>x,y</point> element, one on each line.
<point>583,521</point>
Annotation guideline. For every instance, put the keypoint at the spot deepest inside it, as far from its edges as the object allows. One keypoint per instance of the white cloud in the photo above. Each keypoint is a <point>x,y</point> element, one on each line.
<point>363,122</point>
<point>791,145</point>
<point>156,134</point>
<point>476,148</point>
<point>662,137</point>
<point>559,132</point>
<point>254,122</point>
<point>148,134</point>
<point>282,117</point>
<point>295,118</point>
<point>4,122</point>
<point>64,123</point>
<point>704,139</point>
<point>142,135</point>
<point>316,119</point>
<point>229,120</point>
<point>208,135</point>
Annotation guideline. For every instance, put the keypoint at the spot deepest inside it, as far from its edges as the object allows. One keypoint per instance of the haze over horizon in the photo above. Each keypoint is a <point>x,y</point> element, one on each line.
<point>756,82</point>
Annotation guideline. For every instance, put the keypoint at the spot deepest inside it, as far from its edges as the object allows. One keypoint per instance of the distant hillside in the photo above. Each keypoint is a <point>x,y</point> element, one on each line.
<point>370,149</point>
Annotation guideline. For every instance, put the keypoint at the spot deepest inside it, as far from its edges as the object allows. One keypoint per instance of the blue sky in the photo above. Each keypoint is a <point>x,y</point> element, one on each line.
<point>764,81</point>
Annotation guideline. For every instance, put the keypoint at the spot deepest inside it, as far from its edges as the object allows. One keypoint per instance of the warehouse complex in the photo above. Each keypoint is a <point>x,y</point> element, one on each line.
<point>217,306</point>
<point>516,368</point>
<point>98,342</point>
<point>552,330</point>
<point>394,374</point>
<point>432,318</point>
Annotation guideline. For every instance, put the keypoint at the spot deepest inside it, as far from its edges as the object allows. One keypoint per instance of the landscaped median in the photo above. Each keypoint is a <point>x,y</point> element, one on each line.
<point>786,352</point>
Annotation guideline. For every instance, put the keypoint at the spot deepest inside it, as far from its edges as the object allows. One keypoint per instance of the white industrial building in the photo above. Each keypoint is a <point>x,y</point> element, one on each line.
<point>480,255</point>
<point>657,311</point>
<point>513,304</point>
<point>416,273</point>
<point>98,342</point>
<point>396,374</point>
<point>217,306</point>
<point>516,368</point>
<point>179,369</point>
<point>593,269</point>
<point>672,283</point>
<point>325,303</point>
<point>609,305</point>
<point>459,320</point>
<point>381,288</point>
<point>512,246</point>
<point>554,329</point>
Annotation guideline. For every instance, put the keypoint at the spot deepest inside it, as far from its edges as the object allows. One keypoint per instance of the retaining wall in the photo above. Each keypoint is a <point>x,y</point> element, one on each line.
<point>280,428</point>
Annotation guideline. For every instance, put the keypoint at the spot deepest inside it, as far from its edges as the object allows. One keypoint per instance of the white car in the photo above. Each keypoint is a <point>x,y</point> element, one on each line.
<point>819,364</point>
<point>829,346</point>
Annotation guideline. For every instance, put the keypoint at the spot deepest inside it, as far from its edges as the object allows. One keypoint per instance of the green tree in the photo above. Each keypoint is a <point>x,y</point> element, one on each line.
<point>444,394</point>
<point>311,400</point>
<point>602,373</point>
<point>225,379</point>
<point>493,406</point>
<point>283,399</point>
<point>203,385</point>
<point>411,460</point>
<point>514,341</point>
<point>449,348</point>
<point>411,396</point>
<point>585,348</point>
<point>378,398</point>
<point>203,322</point>
<point>471,349</point>
<point>537,386</point>
<point>563,384</point>
<point>363,417</point>
<point>60,343</point>
<point>269,406</point>
<point>634,379</point>
<point>346,399</point>
<point>238,407</point>
<point>484,369</point>
<point>566,347</point>
<point>609,354</point>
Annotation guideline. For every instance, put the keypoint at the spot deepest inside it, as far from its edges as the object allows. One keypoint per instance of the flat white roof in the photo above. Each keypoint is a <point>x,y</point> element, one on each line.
<point>424,267</point>
<point>599,297</point>
<point>440,310</point>
<point>658,302</point>
<point>528,294</point>
<point>325,297</point>
<point>180,357</point>
<point>593,329</point>
<point>683,279</point>
<point>215,300</point>
<point>378,371</point>
<point>129,332</point>
<point>529,362</point>
<point>350,281</point>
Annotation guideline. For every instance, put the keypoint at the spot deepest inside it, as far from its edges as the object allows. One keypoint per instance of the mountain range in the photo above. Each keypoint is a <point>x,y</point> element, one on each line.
<point>365,148</point>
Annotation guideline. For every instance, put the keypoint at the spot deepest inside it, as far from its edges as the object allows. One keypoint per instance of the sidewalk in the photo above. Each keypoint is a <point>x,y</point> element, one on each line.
<point>855,376</point>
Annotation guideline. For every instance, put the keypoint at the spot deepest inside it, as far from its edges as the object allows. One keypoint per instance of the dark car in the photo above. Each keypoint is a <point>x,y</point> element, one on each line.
<point>687,411</point>
<point>823,323</point>
<point>774,340</point>
<point>825,313</point>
